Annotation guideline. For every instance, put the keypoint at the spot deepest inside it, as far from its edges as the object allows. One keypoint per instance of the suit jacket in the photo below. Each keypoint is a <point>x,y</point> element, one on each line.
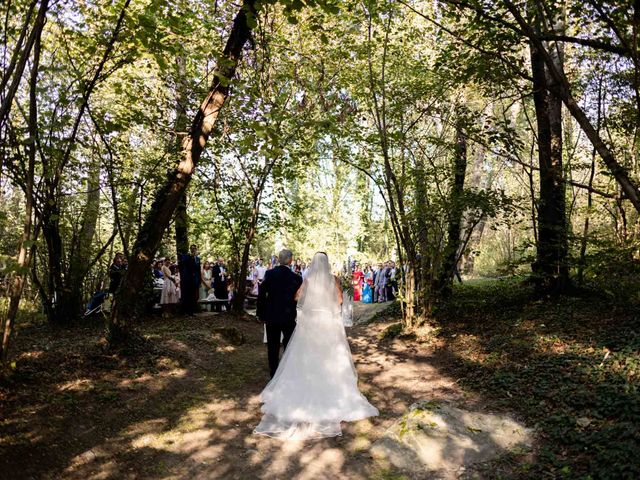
<point>216,275</point>
<point>189,267</point>
<point>381,279</point>
<point>276,296</point>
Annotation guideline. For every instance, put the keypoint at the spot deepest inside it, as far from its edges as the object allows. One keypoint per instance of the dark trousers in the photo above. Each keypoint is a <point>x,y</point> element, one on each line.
<point>189,298</point>
<point>390,294</point>
<point>273,342</point>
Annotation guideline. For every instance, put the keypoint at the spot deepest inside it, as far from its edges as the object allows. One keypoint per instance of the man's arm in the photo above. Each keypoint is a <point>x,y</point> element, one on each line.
<point>262,296</point>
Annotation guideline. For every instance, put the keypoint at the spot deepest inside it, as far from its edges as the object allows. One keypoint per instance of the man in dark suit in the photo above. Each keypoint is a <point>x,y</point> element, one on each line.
<point>219,275</point>
<point>277,306</point>
<point>189,266</point>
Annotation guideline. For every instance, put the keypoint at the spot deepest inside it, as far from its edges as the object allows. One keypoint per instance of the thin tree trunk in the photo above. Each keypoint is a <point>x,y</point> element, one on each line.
<point>168,197</point>
<point>16,52</point>
<point>585,230</point>
<point>475,228</point>
<point>24,254</point>
<point>80,257</point>
<point>34,36</point>
<point>425,278</point>
<point>181,218</point>
<point>240,295</point>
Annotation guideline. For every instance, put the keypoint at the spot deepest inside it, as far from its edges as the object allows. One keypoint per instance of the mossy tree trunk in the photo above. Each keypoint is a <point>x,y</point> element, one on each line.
<point>456,209</point>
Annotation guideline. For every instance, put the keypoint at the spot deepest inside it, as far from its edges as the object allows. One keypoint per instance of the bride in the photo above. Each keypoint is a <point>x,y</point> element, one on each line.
<point>315,386</point>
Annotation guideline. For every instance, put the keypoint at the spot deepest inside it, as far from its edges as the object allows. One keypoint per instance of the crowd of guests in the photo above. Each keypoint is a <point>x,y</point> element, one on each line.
<point>258,267</point>
<point>374,284</point>
<point>187,283</point>
<point>371,284</point>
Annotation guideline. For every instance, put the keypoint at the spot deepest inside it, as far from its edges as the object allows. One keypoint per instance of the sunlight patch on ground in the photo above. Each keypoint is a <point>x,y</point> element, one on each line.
<point>77,385</point>
<point>440,438</point>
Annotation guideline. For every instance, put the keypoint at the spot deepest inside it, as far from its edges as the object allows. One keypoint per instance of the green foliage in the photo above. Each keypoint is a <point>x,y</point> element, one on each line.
<point>391,331</point>
<point>569,367</point>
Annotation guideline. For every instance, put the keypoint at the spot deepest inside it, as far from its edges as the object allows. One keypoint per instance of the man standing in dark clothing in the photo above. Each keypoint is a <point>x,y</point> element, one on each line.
<point>189,265</point>
<point>277,306</point>
<point>116,272</point>
<point>219,276</point>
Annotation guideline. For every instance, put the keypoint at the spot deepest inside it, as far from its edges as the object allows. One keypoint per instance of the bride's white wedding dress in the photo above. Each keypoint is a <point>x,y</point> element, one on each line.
<point>316,385</point>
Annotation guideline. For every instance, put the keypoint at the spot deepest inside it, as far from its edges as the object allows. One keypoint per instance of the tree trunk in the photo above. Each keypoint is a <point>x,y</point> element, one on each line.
<point>34,36</point>
<point>562,89</point>
<point>450,257</point>
<point>467,262</point>
<point>18,278</point>
<point>57,305</point>
<point>240,294</point>
<point>550,268</point>
<point>168,197</point>
<point>424,280</point>
<point>181,218</point>
<point>80,257</point>
<point>585,231</point>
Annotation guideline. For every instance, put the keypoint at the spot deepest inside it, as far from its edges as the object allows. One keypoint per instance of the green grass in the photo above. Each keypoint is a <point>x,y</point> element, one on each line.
<point>570,367</point>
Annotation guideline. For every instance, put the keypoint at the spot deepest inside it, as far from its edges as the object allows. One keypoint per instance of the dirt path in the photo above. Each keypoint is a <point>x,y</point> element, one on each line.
<point>188,410</point>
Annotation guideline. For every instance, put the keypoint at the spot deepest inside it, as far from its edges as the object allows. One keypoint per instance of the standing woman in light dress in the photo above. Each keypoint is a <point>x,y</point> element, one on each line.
<point>206,275</point>
<point>170,296</point>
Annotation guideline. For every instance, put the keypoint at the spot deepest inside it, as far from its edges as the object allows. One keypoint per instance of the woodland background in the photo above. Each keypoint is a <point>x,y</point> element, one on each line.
<point>491,147</point>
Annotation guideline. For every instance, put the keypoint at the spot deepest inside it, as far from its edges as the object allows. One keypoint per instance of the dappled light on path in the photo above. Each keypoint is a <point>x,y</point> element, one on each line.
<point>188,409</point>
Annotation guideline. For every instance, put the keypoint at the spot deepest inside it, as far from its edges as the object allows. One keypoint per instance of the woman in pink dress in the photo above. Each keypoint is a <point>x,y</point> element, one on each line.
<point>358,276</point>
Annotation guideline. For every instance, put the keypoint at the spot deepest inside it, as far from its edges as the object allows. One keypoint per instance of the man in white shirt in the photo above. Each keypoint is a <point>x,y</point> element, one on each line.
<point>261,269</point>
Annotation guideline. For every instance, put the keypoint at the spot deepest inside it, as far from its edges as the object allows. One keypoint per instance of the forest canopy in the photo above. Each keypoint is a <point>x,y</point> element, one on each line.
<point>460,138</point>
<point>487,152</point>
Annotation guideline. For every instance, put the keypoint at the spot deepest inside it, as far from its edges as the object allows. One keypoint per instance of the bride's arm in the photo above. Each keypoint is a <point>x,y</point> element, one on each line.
<point>338,290</point>
<point>300,290</point>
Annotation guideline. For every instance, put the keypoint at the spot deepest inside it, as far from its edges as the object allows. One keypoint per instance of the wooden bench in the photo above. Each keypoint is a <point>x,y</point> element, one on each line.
<point>215,301</point>
<point>251,299</point>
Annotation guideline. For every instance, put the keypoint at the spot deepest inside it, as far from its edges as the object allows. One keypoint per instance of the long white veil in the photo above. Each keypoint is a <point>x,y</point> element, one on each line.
<point>315,386</point>
<point>319,287</point>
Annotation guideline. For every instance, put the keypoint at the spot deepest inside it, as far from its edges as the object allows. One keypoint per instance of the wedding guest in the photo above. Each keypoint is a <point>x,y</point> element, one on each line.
<point>170,295</point>
<point>368,276</point>
<point>116,272</point>
<point>261,270</point>
<point>206,278</point>
<point>376,271</point>
<point>190,275</point>
<point>358,276</point>
<point>367,284</point>
<point>175,271</point>
<point>303,270</point>
<point>157,269</point>
<point>220,283</point>
<point>392,284</point>
<point>250,278</point>
<point>380,283</point>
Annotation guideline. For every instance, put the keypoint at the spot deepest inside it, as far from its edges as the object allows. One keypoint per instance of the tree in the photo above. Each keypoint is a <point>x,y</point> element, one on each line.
<point>169,195</point>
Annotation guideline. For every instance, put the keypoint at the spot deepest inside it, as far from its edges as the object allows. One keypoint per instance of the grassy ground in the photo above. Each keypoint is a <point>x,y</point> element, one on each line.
<point>569,367</point>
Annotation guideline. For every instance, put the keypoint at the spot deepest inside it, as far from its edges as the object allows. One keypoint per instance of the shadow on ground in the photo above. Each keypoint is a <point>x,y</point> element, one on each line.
<point>568,366</point>
<point>186,407</point>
